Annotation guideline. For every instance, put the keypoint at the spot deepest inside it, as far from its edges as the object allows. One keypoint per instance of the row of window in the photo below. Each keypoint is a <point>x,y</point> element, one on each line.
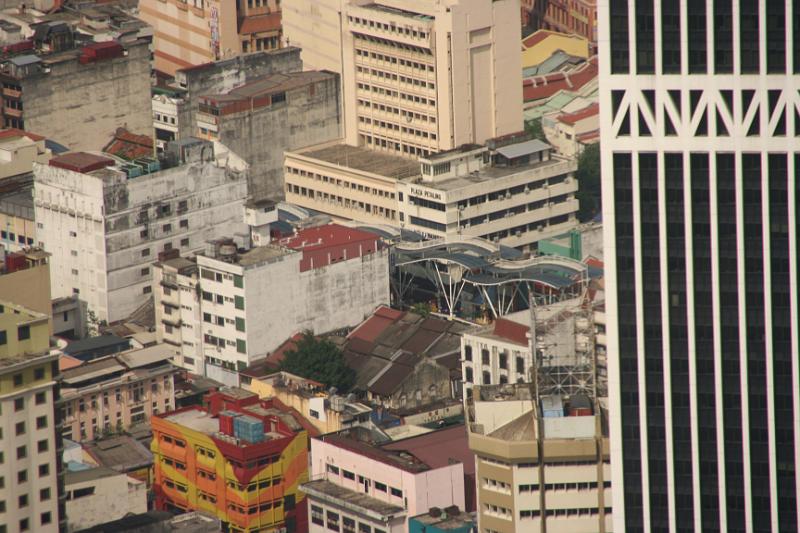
<point>341,183</point>
<point>421,100</point>
<point>12,237</point>
<point>506,194</point>
<point>396,127</point>
<point>395,77</point>
<point>393,60</point>
<point>405,114</point>
<point>502,358</point>
<point>25,523</point>
<point>517,231</point>
<point>238,301</point>
<point>405,30</point>
<point>345,202</point>
<point>363,481</point>
<point>586,511</point>
<point>589,485</point>
<point>343,523</point>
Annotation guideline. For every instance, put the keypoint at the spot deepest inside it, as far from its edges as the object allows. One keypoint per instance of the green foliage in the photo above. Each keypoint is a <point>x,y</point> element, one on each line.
<point>92,324</point>
<point>421,308</point>
<point>534,128</point>
<point>588,176</point>
<point>320,360</point>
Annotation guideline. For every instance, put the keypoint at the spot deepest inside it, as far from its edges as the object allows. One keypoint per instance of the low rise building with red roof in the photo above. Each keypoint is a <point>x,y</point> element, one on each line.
<point>538,88</point>
<point>570,132</point>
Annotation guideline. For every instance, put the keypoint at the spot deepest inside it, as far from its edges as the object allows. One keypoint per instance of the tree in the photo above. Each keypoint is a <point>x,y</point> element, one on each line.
<point>534,128</point>
<point>92,324</point>
<point>588,175</point>
<point>423,309</point>
<point>320,360</point>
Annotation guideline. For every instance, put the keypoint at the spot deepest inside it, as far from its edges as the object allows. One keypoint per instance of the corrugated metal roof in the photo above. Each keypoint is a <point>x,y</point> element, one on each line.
<point>28,59</point>
<point>525,148</point>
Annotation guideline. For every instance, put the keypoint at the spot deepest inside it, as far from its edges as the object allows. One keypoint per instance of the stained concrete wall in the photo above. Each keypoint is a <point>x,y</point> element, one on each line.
<point>309,116</point>
<point>81,106</point>
<point>222,76</point>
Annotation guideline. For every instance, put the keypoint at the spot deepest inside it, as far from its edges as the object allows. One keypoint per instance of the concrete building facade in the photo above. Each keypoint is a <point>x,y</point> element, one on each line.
<point>105,223</point>
<point>513,194</point>
<point>116,392</point>
<point>79,96</point>
<point>193,33</point>
<point>537,469</point>
<point>25,280</point>
<point>354,482</point>
<point>322,279</point>
<point>262,118</point>
<point>99,495</point>
<point>700,162</point>
<point>19,150</point>
<point>30,466</point>
<point>417,78</point>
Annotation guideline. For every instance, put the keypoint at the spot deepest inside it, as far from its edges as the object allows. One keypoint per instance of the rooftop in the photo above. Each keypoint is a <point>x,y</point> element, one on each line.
<point>445,519</point>
<point>573,118</point>
<point>439,448</point>
<point>356,441</point>
<point>350,499</point>
<point>89,474</point>
<point>82,162</point>
<point>121,453</point>
<point>264,86</point>
<point>364,160</point>
<point>195,419</point>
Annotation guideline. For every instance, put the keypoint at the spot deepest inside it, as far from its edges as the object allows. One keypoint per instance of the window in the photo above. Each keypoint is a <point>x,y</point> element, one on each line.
<point>22,476</point>
<point>17,380</point>
<point>239,302</point>
<point>504,361</point>
<point>380,486</point>
<point>44,494</point>
<point>241,346</point>
<point>317,516</point>
<point>3,338</point>
<point>24,333</point>
<point>166,228</point>
<point>333,469</point>
<point>44,470</point>
<point>46,518</point>
<point>333,521</point>
<point>397,492</point>
<point>24,524</point>
<point>20,428</point>
<point>42,446</point>
<point>468,374</point>
<point>145,252</point>
<point>349,475</point>
<point>184,223</point>
<point>238,282</point>
<point>185,242</point>
<point>239,324</point>
<point>145,271</point>
<point>468,352</point>
<point>19,404</point>
<point>41,422</point>
<point>485,356</point>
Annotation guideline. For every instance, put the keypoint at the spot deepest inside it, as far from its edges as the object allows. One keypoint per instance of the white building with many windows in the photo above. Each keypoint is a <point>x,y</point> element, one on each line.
<point>105,221</point>
<point>700,132</point>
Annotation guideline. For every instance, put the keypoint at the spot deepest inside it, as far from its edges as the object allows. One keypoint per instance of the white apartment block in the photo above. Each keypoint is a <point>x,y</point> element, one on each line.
<point>513,193</point>
<point>249,301</point>
<point>166,118</point>
<point>418,77</point>
<point>106,221</point>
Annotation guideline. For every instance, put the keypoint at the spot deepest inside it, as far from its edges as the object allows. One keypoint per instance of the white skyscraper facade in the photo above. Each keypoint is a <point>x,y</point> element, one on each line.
<point>700,136</point>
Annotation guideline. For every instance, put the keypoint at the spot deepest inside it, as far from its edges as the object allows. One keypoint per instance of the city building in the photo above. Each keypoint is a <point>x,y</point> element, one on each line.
<point>160,522</point>
<point>269,114</point>
<point>77,94</point>
<point>121,453</point>
<point>403,360</point>
<point>25,279</point>
<point>105,220</point>
<point>113,393</point>
<point>326,412</point>
<point>167,104</point>
<point>699,131</point>
<point>417,77</point>
<point>240,459</point>
<point>569,133</point>
<point>436,520</point>
<point>578,17</point>
<point>321,278</point>
<point>30,468</point>
<point>542,44</point>
<point>580,78</point>
<point>190,34</point>
<point>19,150</point>
<point>98,495</point>
<point>541,465</point>
<point>513,190</point>
<point>217,77</point>
<point>360,486</point>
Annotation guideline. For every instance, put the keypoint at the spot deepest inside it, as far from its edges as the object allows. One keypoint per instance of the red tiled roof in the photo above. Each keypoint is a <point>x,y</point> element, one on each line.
<point>66,362</point>
<point>279,353</point>
<point>594,262</point>
<point>437,448</point>
<point>589,136</point>
<point>371,328</point>
<point>507,329</point>
<point>331,243</point>
<point>261,23</point>
<point>81,162</point>
<point>539,87</point>
<point>129,145</point>
<point>586,112</point>
<point>14,132</point>
<point>536,38</point>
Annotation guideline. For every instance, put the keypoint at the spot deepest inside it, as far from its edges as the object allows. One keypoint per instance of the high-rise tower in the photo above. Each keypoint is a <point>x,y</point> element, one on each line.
<point>700,135</point>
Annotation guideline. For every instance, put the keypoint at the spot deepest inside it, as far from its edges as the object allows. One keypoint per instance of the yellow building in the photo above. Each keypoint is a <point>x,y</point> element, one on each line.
<point>22,331</point>
<point>25,280</point>
<point>540,45</point>
<point>28,422</point>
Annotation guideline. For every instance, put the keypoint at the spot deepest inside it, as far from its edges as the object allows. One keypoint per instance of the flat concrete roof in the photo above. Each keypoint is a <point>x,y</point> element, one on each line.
<point>359,158</point>
<point>349,498</point>
<point>195,419</point>
<point>260,254</point>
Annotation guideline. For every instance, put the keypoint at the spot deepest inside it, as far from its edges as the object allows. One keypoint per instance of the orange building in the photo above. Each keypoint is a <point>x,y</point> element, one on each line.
<point>239,458</point>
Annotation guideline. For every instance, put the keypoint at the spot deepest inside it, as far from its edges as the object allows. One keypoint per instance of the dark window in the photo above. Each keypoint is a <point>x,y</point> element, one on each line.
<point>468,352</point>
<point>23,333</point>
<point>620,46</point>
<point>671,36</point>
<point>17,380</point>
<point>41,398</point>
<point>776,36</point>
<point>468,374</point>
<point>748,36</point>
<point>19,404</point>
<point>723,37</point>
<point>38,373</point>
<point>696,27</point>
<point>645,37</point>
<point>3,337</point>
<point>485,357</point>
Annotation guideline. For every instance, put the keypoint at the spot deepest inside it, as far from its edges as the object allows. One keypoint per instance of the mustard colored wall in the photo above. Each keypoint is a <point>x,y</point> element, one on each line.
<point>539,52</point>
<point>11,318</point>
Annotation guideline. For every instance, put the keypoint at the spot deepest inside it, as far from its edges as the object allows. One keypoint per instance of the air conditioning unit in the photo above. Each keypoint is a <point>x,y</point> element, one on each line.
<point>540,228</point>
<point>508,195</point>
<point>527,189</point>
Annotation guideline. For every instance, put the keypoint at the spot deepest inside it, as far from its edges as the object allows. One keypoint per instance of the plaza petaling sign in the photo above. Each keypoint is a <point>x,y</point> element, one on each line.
<point>215,32</point>
<point>433,195</point>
